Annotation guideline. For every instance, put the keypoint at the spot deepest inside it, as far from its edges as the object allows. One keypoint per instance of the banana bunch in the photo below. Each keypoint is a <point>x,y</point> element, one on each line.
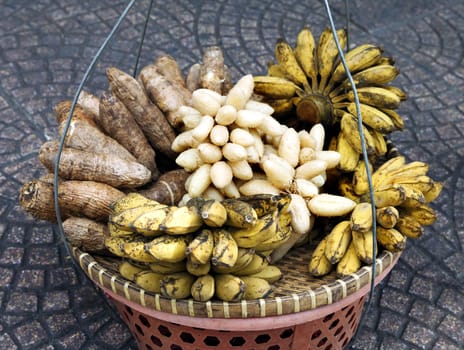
<point>310,81</point>
<point>205,249</point>
<point>402,194</point>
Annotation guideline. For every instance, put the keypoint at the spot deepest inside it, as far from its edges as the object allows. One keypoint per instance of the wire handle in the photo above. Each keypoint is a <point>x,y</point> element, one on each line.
<point>366,162</point>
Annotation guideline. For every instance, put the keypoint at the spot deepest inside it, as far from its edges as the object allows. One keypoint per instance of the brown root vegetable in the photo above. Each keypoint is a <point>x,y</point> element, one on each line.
<point>89,103</point>
<point>85,135</point>
<point>163,93</point>
<point>150,118</point>
<point>169,188</point>
<point>36,198</point>
<point>88,198</point>
<point>212,69</point>
<point>167,66</point>
<point>119,123</point>
<point>86,234</point>
<point>193,77</point>
<point>82,165</point>
<point>76,198</point>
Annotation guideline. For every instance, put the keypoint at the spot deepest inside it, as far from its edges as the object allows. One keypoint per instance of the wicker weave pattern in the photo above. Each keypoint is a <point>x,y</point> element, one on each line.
<point>296,292</point>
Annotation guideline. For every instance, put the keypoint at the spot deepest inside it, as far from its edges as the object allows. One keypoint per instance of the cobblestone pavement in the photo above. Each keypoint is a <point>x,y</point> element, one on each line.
<point>45,47</point>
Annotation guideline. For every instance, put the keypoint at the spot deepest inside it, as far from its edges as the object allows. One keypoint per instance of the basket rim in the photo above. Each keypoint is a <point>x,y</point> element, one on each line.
<point>310,299</point>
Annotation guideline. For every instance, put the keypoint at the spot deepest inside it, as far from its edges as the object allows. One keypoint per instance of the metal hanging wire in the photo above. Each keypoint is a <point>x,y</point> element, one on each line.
<point>366,161</point>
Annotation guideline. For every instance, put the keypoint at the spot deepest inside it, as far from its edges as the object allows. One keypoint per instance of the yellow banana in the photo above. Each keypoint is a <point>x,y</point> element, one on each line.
<point>363,244</point>
<point>128,270</point>
<point>282,235</point>
<point>270,273</point>
<point>287,60</point>
<point>181,220</point>
<point>200,249</point>
<point>421,183</point>
<point>275,70</point>
<point>117,232</point>
<point>305,53</point>
<point>198,269</point>
<point>346,188</point>
<point>264,228</point>
<point>395,118</point>
<point>135,250</point>
<point>357,59</point>
<point>327,52</point>
<point>381,175</point>
<point>338,241</point>
<point>373,117</point>
<point>245,255</point>
<point>373,96</point>
<point>414,197</point>
<point>203,288</point>
<point>148,280</point>
<point>274,87</point>
<point>256,287</point>
<point>388,195</point>
<point>142,219</point>
<point>319,265</point>
<point>379,74</point>
<point>225,251</point>
<point>266,203</point>
<point>168,248</point>
<point>114,244</point>
<point>229,287</point>
<point>349,127</point>
<point>257,264</point>
<point>165,268</point>
<point>213,213</point>
<point>390,238</point>
<point>433,192</point>
<point>409,226</point>
<point>361,217</point>
<point>350,263</point>
<point>133,200</point>
<point>424,214</point>
<point>177,285</point>
<point>360,181</point>
<point>380,144</point>
<point>349,156</point>
<point>412,169</point>
<point>387,217</point>
<point>239,213</point>
<point>397,91</point>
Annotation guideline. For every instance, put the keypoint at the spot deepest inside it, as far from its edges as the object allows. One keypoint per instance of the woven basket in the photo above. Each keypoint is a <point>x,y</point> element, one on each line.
<point>302,313</point>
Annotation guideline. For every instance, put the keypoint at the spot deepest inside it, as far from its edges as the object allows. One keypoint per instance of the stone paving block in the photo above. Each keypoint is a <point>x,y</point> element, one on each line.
<point>391,323</point>
<point>22,302</point>
<point>419,335</point>
<point>395,301</point>
<point>390,343</point>
<point>54,301</point>
<point>444,344</point>
<point>453,327</point>
<point>30,335</point>
<point>71,341</point>
<point>60,323</point>
<point>427,313</point>
<point>452,300</point>
<point>424,289</point>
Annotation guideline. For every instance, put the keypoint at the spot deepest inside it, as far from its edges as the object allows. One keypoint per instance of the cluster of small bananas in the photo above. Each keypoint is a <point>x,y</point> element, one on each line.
<point>402,194</point>
<point>310,81</point>
<point>205,249</point>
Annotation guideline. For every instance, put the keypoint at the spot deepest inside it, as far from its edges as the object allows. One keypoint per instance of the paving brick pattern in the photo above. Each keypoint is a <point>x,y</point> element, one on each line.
<point>45,48</point>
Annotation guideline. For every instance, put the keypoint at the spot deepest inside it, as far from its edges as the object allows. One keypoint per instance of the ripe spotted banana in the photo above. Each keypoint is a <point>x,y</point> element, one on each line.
<point>338,241</point>
<point>203,288</point>
<point>361,217</point>
<point>177,285</point>
<point>200,249</point>
<point>319,265</point>
<point>239,213</point>
<point>229,287</point>
<point>391,239</point>
<point>168,248</point>
<point>350,263</point>
<point>256,287</point>
<point>225,251</point>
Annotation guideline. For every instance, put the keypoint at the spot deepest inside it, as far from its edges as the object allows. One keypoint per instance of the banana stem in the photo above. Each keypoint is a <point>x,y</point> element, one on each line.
<point>315,109</point>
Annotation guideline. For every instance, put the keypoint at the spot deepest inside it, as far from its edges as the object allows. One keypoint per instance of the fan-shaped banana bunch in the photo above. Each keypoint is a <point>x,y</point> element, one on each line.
<point>402,194</point>
<point>310,80</point>
<point>206,249</point>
